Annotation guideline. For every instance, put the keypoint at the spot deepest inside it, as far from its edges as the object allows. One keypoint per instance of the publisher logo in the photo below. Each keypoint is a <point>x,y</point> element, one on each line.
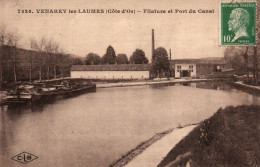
<point>24,157</point>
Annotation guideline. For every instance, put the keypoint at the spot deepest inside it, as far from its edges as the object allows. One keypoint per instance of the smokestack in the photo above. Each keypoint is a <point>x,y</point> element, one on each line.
<point>170,54</point>
<point>152,45</point>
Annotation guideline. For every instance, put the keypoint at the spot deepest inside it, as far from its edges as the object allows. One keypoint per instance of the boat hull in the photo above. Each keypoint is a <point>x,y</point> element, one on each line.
<point>38,98</point>
<point>61,95</point>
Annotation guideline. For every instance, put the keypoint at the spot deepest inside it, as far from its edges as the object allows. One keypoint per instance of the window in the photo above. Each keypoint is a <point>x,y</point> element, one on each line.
<point>190,67</point>
<point>178,67</point>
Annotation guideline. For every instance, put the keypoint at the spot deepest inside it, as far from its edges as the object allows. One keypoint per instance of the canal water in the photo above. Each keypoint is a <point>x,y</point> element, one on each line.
<point>95,129</point>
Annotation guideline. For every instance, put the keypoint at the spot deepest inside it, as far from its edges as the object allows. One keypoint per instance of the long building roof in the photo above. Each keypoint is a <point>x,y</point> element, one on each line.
<point>213,60</point>
<point>112,67</point>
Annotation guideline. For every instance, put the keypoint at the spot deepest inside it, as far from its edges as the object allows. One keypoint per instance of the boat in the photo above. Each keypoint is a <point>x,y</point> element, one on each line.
<point>49,90</point>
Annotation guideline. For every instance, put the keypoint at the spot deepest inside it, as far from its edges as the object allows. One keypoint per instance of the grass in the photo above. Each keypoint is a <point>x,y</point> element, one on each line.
<point>231,137</point>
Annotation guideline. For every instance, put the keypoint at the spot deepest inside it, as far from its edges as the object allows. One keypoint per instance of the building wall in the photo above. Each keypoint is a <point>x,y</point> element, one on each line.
<point>185,67</point>
<point>206,69</point>
<point>111,74</point>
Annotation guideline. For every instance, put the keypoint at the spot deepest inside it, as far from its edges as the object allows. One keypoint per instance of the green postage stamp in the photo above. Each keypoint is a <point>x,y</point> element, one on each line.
<point>238,23</point>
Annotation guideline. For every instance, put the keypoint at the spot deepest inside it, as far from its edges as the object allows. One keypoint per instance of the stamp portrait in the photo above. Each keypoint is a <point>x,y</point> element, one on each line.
<point>238,23</point>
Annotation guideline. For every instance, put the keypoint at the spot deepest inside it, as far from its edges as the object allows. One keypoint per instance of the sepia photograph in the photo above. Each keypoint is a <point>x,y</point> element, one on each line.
<point>120,83</point>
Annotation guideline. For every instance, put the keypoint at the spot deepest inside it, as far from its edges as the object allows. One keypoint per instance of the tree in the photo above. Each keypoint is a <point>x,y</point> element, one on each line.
<point>122,59</point>
<point>92,59</point>
<point>161,61</point>
<point>3,39</point>
<point>138,57</point>
<point>39,46</point>
<point>13,39</point>
<point>109,57</point>
<point>51,48</point>
<point>48,47</point>
<point>77,61</point>
<point>241,59</point>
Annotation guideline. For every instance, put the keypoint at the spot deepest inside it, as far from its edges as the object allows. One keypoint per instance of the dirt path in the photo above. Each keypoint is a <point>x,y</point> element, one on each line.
<point>151,152</point>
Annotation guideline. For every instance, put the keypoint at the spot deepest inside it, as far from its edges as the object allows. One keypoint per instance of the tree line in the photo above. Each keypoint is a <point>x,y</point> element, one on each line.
<point>160,62</point>
<point>45,60</point>
<point>110,57</point>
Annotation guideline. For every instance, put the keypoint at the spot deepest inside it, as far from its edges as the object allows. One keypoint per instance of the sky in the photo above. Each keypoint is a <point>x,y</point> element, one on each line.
<point>188,35</point>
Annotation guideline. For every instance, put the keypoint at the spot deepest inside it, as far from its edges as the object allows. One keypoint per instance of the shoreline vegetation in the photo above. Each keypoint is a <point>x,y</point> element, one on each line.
<point>130,155</point>
<point>231,137</point>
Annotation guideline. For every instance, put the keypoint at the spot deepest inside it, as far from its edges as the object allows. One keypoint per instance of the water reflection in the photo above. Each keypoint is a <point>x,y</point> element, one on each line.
<point>207,85</point>
<point>95,129</point>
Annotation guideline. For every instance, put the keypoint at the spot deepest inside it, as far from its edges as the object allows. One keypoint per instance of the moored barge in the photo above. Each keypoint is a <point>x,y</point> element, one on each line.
<point>49,90</point>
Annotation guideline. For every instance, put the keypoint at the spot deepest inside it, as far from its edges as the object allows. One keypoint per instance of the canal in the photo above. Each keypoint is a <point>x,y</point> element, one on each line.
<point>95,129</point>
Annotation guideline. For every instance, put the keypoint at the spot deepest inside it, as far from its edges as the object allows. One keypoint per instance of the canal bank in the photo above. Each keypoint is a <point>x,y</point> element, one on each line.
<point>152,151</point>
<point>151,82</point>
<point>248,88</point>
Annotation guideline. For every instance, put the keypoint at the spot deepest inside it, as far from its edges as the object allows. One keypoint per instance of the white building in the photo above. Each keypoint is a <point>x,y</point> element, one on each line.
<point>111,71</point>
<point>199,67</point>
<point>185,70</point>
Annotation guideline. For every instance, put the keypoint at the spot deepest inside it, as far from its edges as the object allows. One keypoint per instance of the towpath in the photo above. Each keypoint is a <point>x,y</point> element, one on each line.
<point>124,84</point>
<point>155,153</point>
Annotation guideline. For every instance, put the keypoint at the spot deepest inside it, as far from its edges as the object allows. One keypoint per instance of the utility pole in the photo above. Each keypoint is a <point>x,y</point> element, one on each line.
<point>153,71</point>
<point>170,51</point>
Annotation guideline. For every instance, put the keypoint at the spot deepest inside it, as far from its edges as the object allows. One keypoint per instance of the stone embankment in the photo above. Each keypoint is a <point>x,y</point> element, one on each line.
<point>248,88</point>
<point>152,151</point>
